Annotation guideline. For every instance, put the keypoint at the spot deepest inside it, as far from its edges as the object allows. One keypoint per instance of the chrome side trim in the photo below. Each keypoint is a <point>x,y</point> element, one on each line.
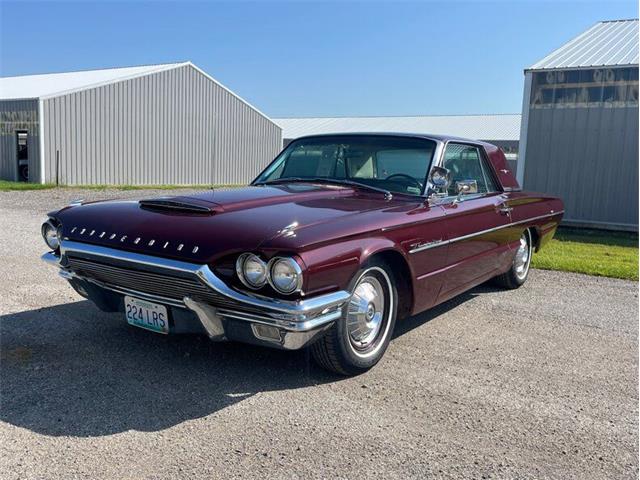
<point>430,245</point>
<point>301,309</point>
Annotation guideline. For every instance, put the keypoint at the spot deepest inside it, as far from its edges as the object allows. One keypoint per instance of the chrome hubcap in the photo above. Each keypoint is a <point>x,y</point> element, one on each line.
<point>523,254</point>
<point>365,312</point>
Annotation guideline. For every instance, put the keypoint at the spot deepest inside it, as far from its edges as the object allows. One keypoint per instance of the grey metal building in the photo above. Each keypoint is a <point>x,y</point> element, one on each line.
<point>155,124</point>
<point>579,135</point>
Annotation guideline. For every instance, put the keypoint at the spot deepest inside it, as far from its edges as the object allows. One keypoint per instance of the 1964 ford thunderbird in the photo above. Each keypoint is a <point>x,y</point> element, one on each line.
<point>336,240</point>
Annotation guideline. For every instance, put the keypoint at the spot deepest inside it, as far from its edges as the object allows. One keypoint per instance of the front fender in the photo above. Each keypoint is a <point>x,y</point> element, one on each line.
<point>331,267</point>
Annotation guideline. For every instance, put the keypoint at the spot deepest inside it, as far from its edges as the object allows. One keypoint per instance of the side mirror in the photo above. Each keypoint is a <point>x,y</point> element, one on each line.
<point>465,187</point>
<point>440,178</point>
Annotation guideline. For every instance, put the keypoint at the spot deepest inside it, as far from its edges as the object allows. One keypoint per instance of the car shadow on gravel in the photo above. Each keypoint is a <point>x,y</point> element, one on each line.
<point>75,371</point>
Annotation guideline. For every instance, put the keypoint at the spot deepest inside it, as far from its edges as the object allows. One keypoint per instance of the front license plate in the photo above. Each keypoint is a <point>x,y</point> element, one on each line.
<point>143,314</point>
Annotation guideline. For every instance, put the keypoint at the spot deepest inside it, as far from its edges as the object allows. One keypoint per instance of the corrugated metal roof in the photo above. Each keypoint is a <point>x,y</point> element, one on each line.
<point>479,127</point>
<point>53,84</point>
<point>610,43</point>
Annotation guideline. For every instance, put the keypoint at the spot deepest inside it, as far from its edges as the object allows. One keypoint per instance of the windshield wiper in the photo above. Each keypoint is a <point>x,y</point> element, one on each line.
<point>344,181</point>
<point>335,181</point>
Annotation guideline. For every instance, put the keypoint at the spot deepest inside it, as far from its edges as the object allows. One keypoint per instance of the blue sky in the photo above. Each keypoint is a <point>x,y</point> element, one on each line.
<point>313,59</point>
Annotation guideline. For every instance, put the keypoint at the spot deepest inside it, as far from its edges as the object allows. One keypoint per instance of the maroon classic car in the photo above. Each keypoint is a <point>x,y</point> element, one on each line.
<point>336,240</point>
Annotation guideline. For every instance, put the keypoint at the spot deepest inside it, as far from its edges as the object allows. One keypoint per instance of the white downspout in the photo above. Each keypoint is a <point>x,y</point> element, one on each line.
<point>41,141</point>
<point>524,126</point>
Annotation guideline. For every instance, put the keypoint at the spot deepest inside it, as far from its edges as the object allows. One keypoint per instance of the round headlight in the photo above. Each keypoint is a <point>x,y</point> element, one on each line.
<point>50,233</point>
<point>251,270</point>
<point>285,275</point>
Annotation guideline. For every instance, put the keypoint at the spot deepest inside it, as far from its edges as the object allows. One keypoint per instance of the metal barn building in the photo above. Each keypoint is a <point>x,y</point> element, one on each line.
<point>160,124</point>
<point>579,137</point>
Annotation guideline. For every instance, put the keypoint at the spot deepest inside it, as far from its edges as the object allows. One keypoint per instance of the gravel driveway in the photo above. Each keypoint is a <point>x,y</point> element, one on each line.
<point>541,382</point>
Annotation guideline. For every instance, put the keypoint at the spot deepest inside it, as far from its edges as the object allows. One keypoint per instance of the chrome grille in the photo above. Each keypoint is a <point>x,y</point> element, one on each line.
<point>166,284</point>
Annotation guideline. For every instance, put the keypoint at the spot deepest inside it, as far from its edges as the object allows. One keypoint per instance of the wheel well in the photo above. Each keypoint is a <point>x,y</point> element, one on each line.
<point>535,238</point>
<point>402,276</point>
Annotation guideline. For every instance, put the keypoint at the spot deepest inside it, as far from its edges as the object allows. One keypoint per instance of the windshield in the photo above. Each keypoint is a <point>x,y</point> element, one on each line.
<point>393,163</point>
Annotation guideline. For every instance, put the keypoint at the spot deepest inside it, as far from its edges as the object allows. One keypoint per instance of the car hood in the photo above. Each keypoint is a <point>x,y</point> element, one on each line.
<point>204,226</point>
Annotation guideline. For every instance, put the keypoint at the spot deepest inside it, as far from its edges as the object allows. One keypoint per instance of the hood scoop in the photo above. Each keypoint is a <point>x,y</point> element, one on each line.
<point>176,206</point>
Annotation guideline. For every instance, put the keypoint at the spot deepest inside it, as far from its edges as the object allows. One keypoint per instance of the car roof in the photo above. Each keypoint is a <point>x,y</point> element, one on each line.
<point>427,136</point>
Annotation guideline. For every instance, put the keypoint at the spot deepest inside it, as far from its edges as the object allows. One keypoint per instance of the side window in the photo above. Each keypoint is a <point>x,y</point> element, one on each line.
<point>466,164</point>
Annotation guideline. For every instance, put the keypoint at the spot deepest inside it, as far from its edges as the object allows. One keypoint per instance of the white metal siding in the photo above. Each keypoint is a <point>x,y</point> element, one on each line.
<point>176,126</point>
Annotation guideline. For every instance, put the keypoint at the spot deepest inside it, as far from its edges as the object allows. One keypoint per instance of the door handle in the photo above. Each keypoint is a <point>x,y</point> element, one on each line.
<point>505,210</point>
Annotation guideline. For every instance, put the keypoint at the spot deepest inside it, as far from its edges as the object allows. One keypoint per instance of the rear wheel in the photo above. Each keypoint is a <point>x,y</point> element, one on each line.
<point>519,271</point>
<point>358,340</point>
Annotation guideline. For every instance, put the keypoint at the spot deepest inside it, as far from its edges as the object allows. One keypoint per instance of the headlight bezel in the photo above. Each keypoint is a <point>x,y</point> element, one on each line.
<point>295,266</point>
<point>48,226</point>
<point>269,265</point>
<point>241,271</point>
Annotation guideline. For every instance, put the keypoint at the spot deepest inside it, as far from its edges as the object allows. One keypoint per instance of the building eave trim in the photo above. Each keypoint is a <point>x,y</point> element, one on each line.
<point>581,67</point>
<point>113,81</point>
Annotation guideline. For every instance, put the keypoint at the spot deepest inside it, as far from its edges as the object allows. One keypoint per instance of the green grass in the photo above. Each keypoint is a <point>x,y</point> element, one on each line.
<point>594,252</point>
<point>6,186</point>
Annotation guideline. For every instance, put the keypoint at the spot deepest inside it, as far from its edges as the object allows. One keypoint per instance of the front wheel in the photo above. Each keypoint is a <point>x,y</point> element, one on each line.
<point>519,271</point>
<point>360,337</point>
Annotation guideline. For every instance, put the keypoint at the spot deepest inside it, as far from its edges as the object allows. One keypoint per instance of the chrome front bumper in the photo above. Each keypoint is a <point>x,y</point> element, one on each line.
<point>280,323</point>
